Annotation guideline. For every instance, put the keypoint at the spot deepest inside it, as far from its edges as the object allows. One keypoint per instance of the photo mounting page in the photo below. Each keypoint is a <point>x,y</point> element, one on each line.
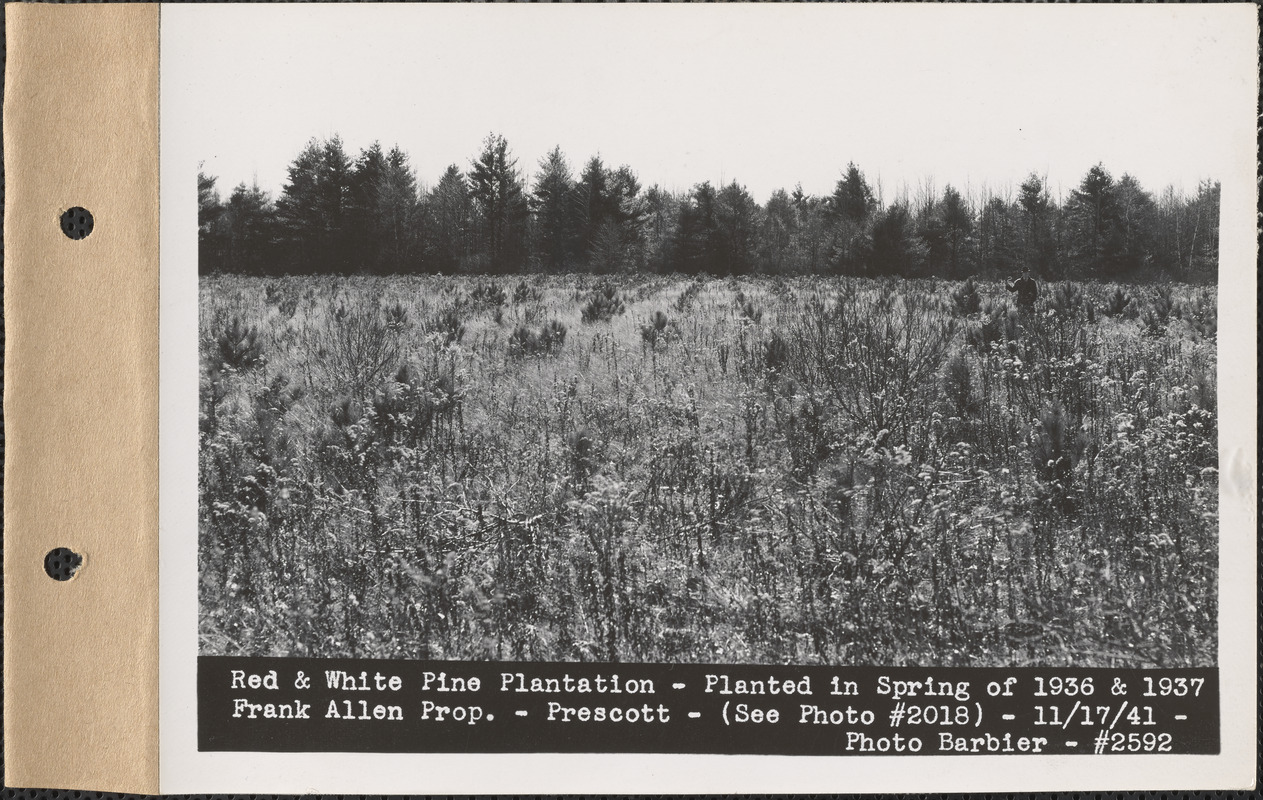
<point>581,399</point>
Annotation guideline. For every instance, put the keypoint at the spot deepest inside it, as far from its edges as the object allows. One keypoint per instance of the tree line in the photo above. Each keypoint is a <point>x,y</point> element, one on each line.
<point>338,214</point>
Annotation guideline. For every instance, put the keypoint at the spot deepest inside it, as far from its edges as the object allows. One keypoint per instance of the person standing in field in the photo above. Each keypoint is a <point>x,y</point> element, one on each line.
<point>1026,288</point>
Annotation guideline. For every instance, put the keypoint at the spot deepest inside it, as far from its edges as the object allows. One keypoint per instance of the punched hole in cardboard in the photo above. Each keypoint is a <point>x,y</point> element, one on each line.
<point>62,563</point>
<point>76,223</point>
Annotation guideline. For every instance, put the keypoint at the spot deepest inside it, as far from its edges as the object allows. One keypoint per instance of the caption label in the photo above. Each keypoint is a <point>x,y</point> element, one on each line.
<point>343,705</point>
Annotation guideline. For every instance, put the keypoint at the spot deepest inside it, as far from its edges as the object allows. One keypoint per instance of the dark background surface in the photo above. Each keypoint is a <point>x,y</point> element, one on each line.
<point>717,730</point>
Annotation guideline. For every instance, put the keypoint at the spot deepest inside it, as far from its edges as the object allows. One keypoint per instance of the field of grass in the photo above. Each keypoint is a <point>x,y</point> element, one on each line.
<point>740,471</point>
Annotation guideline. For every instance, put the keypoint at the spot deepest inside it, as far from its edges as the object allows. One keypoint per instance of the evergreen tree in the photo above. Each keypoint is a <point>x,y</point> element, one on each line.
<point>608,253</point>
<point>397,226</point>
<point>662,212</point>
<point>248,231</point>
<point>629,215</point>
<point>1136,221</point>
<point>338,216</point>
<point>958,223</point>
<point>499,198</point>
<point>1038,244</point>
<point>736,230</point>
<point>777,234</point>
<point>313,209</point>
<point>209,241</point>
<point>819,246</point>
<point>1096,243</point>
<point>849,210</point>
<point>594,204</point>
<point>999,239</point>
<point>362,219</point>
<point>696,231</point>
<point>895,250</point>
<point>450,222</point>
<point>553,203</point>
<point>932,232</point>
<point>852,199</point>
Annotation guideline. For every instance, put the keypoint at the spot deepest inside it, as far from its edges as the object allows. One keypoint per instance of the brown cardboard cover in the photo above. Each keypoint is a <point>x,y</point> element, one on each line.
<point>81,397</point>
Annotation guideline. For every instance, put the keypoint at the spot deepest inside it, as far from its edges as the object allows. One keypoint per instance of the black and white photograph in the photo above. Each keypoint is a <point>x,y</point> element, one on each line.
<point>666,341</point>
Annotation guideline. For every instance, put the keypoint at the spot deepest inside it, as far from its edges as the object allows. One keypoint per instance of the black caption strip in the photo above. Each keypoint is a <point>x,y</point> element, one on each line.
<point>387,706</point>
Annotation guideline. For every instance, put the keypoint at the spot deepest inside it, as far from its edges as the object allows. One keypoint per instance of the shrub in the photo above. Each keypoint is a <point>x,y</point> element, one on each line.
<point>448,325</point>
<point>1066,300</point>
<point>585,454</point>
<point>525,293</point>
<point>396,317</point>
<point>1120,305</point>
<point>552,336</point>
<point>276,399</point>
<point>1159,311</point>
<point>966,300</point>
<point>999,324</point>
<point>1056,445</point>
<point>488,293</point>
<point>751,312</point>
<point>240,348</point>
<point>958,386</point>
<point>272,293</point>
<point>604,303</point>
<point>775,353</point>
<point>346,411</point>
<point>659,328</point>
<point>875,356</point>
<point>407,406</point>
<point>343,450</point>
<point>357,350</point>
<point>525,341</point>
<point>689,296</point>
<point>1201,313</point>
<point>285,300</point>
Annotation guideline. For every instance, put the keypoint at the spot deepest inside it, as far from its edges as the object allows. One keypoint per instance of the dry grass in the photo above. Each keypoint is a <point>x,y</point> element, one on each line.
<point>803,471</point>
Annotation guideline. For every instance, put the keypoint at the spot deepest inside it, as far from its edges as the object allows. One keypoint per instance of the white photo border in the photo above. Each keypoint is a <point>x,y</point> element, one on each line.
<point>186,770</point>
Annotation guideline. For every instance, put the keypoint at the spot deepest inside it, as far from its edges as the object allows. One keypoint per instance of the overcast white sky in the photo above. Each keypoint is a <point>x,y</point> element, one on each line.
<point>772,96</point>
